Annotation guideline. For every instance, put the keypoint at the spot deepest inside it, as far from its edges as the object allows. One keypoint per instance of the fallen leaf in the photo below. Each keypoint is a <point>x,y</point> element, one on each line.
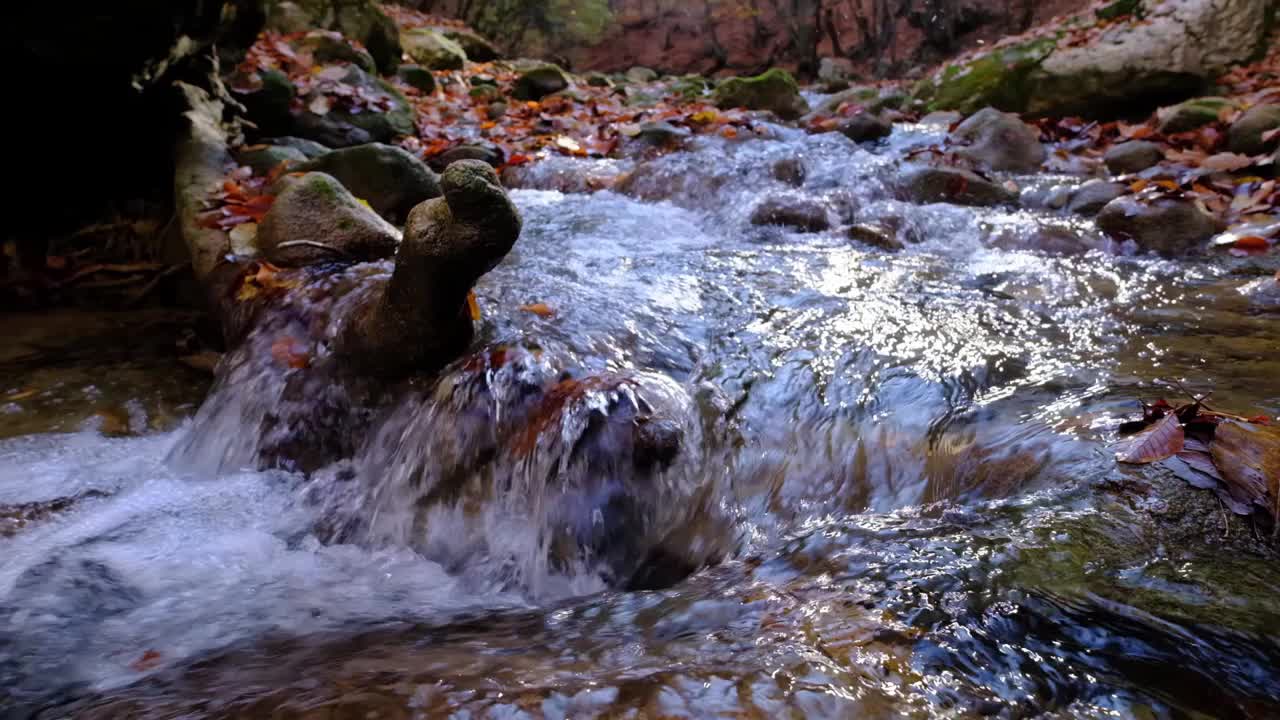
<point>1163,439</point>
<point>473,306</point>
<point>149,660</point>
<point>1226,162</point>
<point>1248,457</point>
<point>539,309</point>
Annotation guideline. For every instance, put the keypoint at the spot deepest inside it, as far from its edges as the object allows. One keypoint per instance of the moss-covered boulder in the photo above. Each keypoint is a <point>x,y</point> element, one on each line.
<point>387,177</point>
<point>538,81</point>
<point>1133,156</point>
<point>359,20</point>
<point>429,48</point>
<point>1192,114</point>
<point>330,119</point>
<point>314,219</point>
<point>327,46</point>
<point>994,140</point>
<point>1168,226</point>
<point>476,46</point>
<point>1247,134</point>
<point>1174,50</point>
<point>265,158</point>
<point>417,77</point>
<point>775,91</point>
<point>933,184</point>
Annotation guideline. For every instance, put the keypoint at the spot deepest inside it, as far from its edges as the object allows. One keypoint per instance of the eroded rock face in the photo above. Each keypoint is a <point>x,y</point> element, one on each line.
<point>387,177</point>
<point>314,219</point>
<point>1167,226</point>
<point>999,141</point>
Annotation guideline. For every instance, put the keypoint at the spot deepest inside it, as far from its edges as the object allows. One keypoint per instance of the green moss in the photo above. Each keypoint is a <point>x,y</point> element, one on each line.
<point>1001,79</point>
<point>1119,9</point>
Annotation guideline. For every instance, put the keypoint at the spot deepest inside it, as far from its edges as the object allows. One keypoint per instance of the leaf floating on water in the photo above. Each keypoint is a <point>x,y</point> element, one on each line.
<point>1162,440</point>
<point>1248,457</point>
<point>540,309</point>
<point>473,306</point>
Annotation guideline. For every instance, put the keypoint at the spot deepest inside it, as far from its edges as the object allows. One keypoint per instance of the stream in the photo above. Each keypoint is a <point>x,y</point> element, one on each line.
<point>916,513</point>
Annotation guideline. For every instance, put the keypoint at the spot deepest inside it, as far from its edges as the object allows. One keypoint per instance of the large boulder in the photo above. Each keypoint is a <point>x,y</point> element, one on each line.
<point>429,48</point>
<point>539,81</point>
<point>1133,156</point>
<point>933,184</point>
<point>314,219</point>
<point>1172,48</point>
<point>330,120</point>
<point>1169,226</point>
<point>775,91</point>
<point>1246,134</point>
<point>420,319</point>
<point>1192,114</point>
<point>387,177</point>
<point>360,20</point>
<point>993,140</point>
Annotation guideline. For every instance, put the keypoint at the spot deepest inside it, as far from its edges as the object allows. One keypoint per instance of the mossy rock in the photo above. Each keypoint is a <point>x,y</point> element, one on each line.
<point>1245,135</point>
<point>265,158</point>
<point>1192,114</point>
<point>597,79</point>
<point>418,77</point>
<point>387,177</point>
<point>540,81</point>
<point>309,148</point>
<point>327,46</point>
<point>431,49</point>
<point>689,88</point>
<point>1119,9</point>
<point>775,90</point>
<point>476,46</point>
<point>485,94</point>
<point>360,20</point>
<point>269,105</point>
<point>314,219</point>
<point>342,128</point>
<point>1000,79</point>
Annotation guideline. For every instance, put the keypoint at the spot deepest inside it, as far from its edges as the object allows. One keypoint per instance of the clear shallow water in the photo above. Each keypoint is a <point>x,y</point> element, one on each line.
<point>925,518</point>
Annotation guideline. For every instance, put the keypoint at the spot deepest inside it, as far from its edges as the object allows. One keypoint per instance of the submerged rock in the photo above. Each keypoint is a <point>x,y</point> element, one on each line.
<point>320,118</point>
<point>1168,226</point>
<point>539,81</point>
<point>1245,136</point>
<point>775,91</point>
<point>875,235</point>
<point>951,185</point>
<point>429,48</point>
<point>387,177</point>
<point>797,212</point>
<point>1133,156</point>
<point>314,219</point>
<point>420,319</point>
<point>865,126</point>
<point>999,141</point>
<point>790,171</point>
<point>1192,114</point>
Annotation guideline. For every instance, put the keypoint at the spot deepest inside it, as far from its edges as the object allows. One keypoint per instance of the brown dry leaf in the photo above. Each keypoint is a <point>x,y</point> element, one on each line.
<point>1248,457</point>
<point>473,306</point>
<point>1163,439</point>
<point>1226,162</point>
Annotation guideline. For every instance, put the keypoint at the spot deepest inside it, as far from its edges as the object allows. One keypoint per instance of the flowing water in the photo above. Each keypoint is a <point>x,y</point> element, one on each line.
<point>893,464</point>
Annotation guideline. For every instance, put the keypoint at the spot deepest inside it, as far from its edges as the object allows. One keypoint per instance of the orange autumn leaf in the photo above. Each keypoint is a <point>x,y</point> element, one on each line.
<point>1162,440</point>
<point>540,309</point>
<point>1252,242</point>
<point>473,306</point>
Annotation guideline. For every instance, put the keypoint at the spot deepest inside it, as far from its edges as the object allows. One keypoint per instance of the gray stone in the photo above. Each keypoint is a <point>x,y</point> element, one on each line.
<point>797,212</point>
<point>998,141</point>
<point>1169,226</point>
<point>389,178</point>
<point>265,158</point>
<point>790,171</point>
<point>1133,156</point>
<point>314,219</point>
<point>540,81</point>
<point>934,184</point>
<point>865,127</point>
<point>431,49</point>
<point>489,154</point>
<point>641,75</point>
<point>875,235</point>
<point>1091,197</point>
<point>1245,134</point>
<point>418,77</point>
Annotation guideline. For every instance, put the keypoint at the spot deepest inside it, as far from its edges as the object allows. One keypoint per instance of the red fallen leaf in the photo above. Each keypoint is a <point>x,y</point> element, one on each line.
<point>1163,439</point>
<point>291,352</point>
<point>1251,242</point>
<point>1248,457</point>
<point>148,661</point>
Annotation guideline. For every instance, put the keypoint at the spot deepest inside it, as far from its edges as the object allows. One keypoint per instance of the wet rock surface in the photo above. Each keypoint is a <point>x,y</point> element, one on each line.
<point>865,127</point>
<point>998,141</point>
<point>795,212</point>
<point>952,185</point>
<point>387,177</point>
<point>1132,156</point>
<point>315,219</point>
<point>1166,226</point>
